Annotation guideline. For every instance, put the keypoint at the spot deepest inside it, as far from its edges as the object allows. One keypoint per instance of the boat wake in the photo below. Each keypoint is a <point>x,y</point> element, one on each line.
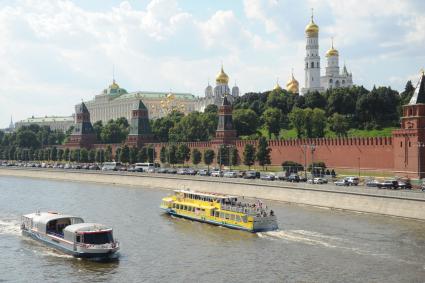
<point>302,236</point>
<point>10,227</point>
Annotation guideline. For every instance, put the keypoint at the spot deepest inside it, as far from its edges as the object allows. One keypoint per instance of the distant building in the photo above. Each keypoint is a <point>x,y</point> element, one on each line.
<point>61,123</point>
<point>215,96</point>
<point>333,77</point>
<point>115,102</point>
<point>11,127</point>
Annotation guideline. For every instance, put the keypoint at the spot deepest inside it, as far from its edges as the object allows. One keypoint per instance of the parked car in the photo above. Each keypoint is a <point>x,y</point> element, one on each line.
<point>405,185</point>
<point>388,184</point>
<point>251,175</point>
<point>352,181</point>
<point>317,180</point>
<point>372,183</point>
<point>182,171</point>
<point>217,173</point>
<point>268,177</point>
<point>203,172</point>
<point>293,178</point>
<point>230,174</point>
<point>241,174</point>
<point>162,170</point>
<point>172,171</point>
<point>342,182</point>
<point>94,167</point>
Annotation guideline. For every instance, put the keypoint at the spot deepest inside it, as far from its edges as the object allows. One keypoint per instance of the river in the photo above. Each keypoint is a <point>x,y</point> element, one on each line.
<point>312,245</point>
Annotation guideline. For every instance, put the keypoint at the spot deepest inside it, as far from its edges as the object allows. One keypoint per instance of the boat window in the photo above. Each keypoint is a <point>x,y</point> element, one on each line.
<point>78,238</point>
<point>238,218</point>
<point>185,207</point>
<point>98,238</point>
<point>227,216</point>
<point>244,219</point>
<point>217,214</point>
<point>212,212</point>
<point>232,217</point>
<point>221,215</point>
<point>174,205</point>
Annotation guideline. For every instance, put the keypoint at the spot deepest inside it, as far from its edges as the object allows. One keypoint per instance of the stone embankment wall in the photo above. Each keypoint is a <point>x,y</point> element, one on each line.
<point>394,203</point>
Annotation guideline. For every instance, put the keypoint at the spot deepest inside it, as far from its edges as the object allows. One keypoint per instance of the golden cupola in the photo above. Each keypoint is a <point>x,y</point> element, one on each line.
<point>312,29</point>
<point>114,85</point>
<point>277,87</point>
<point>292,86</point>
<point>222,77</point>
<point>332,51</point>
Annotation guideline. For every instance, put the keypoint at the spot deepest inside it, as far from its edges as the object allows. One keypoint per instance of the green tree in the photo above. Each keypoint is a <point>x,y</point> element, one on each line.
<point>209,155</point>
<point>115,131</point>
<point>249,155</point>
<point>125,154</point>
<point>407,94</point>
<point>172,154</point>
<point>234,156</point>
<point>84,155</point>
<point>92,155</point>
<point>211,108</point>
<point>263,152</point>
<point>75,155</point>
<point>97,127</point>
<point>223,155</point>
<point>315,100</point>
<point>183,153</point>
<point>26,139</point>
<point>339,124</point>
<point>108,154</point>
<point>271,118</point>
<point>297,118</point>
<point>118,154</point>
<point>245,122</point>
<point>133,155</point>
<point>54,153</point>
<point>163,155</point>
<point>196,156</point>
<point>318,123</point>
<point>142,155</point>
<point>60,154</point>
<point>151,154</point>
<point>66,153</point>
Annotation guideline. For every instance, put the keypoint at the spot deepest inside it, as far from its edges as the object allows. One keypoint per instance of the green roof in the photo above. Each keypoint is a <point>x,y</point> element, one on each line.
<point>156,95</point>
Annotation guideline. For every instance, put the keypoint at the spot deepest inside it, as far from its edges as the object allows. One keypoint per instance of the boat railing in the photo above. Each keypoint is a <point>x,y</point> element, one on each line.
<point>249,210</point>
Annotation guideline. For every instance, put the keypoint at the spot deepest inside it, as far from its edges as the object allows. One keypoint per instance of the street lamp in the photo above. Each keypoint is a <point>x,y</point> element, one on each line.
<point>420,145</point>
<point>312,148</point>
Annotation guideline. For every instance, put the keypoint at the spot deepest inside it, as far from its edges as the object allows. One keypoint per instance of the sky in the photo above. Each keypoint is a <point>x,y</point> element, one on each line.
<point>56,53</point>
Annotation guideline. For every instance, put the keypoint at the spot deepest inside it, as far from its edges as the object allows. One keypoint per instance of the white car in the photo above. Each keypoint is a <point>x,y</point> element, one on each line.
<point>317,181</point>
<point>216,173</point>
<point>230,174</point>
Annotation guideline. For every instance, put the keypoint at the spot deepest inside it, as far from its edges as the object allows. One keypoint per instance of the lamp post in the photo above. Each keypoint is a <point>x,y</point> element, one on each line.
<point>305,161</point>
<point>312,148</point>
<point>420,145</point>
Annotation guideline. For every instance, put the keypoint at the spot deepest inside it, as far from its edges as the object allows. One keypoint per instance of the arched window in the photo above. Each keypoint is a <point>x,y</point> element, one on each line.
<point>312,64</point>
<point>306,65</point>
<point>343,81</point>
<point>330,81</point>
<point>337,83</point>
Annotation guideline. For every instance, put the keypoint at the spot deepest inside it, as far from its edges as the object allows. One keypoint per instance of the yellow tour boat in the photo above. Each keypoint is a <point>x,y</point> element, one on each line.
<point>219,209</point>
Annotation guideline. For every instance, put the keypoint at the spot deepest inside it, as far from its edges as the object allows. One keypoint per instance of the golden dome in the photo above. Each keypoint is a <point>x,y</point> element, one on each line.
<point>332,51</point>
<point>277,86</point>
<point>222,77</point>
<point>171,96</point>
<point>312,29</point>
<point>114,85</point>
<point>292,86</point>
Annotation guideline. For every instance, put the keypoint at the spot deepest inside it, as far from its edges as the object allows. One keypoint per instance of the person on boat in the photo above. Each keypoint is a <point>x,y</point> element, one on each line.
<point>271,213</point>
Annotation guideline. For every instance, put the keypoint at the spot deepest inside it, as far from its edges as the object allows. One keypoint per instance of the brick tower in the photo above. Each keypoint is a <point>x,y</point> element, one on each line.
<point>83,135</point>
<point>140,130</point>
<point>409,140</point>
<point>225,133</point>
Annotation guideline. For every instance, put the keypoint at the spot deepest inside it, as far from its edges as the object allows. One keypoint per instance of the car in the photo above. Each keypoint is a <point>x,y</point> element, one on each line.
<point>94,167</point>
<point>216,173</point>
<point>162,170</point>
<point>342,182</point>
<point>230,174</point>
<point>172,171</point>
<point>352,181</point>
<point>293,178</point>
<point>241,173</point>
<point>268,177</point>
<point>372,183</point>
<point>388,184</point>
<point>203,172</point>
<point>252,175</point>
<point>151,170</point>
<point>182,171</point>
<point>317,180</point>
<point>405,185</point>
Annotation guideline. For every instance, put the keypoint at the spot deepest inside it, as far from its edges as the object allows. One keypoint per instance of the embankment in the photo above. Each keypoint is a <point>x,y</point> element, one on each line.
<point>369,200</point>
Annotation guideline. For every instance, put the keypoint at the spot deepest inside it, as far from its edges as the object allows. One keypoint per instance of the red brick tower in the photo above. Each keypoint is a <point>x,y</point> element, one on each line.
<point>140,130</point>
<point>83,135</point>
<point>225,133</point>
<point>409,141</point>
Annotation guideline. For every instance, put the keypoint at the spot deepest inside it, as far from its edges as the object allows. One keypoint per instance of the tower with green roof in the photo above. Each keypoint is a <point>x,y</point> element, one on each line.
<point>140,130</point>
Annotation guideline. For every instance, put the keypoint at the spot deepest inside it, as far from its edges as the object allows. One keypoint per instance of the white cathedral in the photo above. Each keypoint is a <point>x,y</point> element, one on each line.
<point>333,77</point>
<point>216,95</point>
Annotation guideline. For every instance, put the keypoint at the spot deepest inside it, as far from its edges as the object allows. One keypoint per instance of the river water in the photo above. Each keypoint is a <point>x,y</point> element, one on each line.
<point>312,245</point>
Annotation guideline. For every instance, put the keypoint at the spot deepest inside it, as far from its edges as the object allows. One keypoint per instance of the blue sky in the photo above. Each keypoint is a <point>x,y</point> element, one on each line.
<point>55,53</point>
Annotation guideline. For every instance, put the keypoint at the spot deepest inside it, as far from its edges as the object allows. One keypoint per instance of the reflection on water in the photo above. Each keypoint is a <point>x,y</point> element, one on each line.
<point>313,245</point>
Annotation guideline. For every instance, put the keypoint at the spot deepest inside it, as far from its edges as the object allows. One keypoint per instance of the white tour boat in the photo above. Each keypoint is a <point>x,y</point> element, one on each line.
<point>70,234</point>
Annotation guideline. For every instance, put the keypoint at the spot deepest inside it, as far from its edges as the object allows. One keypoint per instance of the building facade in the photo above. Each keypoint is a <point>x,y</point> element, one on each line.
<point>115,102</point>
<point>60,123</point>
<point>333,76</point>
<point>216,95</point>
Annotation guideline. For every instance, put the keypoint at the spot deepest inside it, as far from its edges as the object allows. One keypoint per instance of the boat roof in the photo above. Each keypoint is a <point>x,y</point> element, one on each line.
<point>87,227</point>
<point>205,194</point>
<point>45,217</point>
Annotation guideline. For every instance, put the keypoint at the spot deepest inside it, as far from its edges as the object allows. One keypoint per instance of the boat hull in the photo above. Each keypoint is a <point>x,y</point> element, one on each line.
<point>262,228</point>
<point>67,248</point>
